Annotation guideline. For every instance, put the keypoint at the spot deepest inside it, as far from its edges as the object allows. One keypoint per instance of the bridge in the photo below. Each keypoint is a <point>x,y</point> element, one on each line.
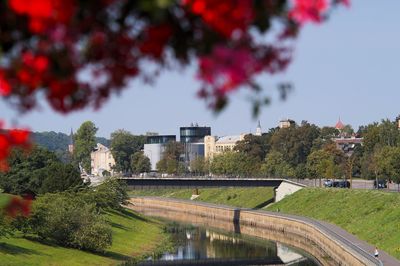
<point>185,182</point>
<point>282,187</point>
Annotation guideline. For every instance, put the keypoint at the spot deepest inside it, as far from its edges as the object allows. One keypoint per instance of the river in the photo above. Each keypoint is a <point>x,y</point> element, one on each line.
<point>195,245</point>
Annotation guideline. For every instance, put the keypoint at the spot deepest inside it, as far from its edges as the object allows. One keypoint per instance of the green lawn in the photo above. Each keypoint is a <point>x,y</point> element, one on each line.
<point>133,235</point>
<point>373,216</point>
<point>240,197</point>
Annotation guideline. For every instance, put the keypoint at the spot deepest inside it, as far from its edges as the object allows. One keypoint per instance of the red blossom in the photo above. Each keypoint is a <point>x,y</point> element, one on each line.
<point>5,87</point>
<point>345,2</point>
<point>67,95</point>
<point>227,68</point>
<point>18,136</point>
<point>50,46</point>
<point>18,205</point>
<point>224,16</point>
<point>11,138</point>
<point>4,147</point>
<point>308,10</point>
<point>31,72</point>
<point>44,13</point>
<point>155,39</point>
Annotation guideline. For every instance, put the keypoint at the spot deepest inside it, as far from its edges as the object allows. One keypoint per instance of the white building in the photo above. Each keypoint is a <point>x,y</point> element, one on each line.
<point>155,147</point>
<point>101,160</point>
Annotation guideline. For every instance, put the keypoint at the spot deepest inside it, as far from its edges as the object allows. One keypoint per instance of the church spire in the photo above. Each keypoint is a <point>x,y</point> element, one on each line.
<point>71,142</point>
<point>258,129</point>
<point>339,125</point>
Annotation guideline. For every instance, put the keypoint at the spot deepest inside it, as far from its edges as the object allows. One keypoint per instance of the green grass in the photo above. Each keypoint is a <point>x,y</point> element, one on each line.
<point>133,236</point>
<point>371,215</point>
<point>239,197</point>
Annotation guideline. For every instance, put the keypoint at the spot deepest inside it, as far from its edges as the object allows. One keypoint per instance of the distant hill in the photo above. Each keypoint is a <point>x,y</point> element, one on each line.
<point>57,141</point>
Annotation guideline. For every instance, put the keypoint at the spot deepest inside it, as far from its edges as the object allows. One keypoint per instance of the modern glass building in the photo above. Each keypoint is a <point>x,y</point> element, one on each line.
<point>194,134</point>
<point>192,139</point>
<point>160,139</point>
<point>155,146</point>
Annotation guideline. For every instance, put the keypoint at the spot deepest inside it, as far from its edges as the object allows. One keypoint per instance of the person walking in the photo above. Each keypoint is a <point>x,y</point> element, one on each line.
<point>376,252</point>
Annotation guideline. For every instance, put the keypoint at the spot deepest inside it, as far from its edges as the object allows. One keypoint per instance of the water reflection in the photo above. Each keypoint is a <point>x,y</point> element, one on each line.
<point>198,243</point>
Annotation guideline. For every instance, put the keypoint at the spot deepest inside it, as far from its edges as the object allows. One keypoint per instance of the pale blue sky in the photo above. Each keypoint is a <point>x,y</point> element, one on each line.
<point>347,67</point>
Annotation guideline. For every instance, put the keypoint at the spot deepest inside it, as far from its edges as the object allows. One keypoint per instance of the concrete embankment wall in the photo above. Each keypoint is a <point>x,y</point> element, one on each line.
<point>301,233</point>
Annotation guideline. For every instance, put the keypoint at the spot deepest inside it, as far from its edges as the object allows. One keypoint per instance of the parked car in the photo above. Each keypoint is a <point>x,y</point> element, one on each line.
<point>381,184</point>
<point>341,184</point>
<point>328,183</point>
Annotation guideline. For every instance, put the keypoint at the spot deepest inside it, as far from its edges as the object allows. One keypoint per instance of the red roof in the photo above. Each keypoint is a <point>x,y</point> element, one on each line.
<point>339,125</point>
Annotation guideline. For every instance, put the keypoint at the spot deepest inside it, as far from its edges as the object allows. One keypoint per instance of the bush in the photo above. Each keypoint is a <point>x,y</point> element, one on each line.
<point>110,194</point>
<point>69,221</point>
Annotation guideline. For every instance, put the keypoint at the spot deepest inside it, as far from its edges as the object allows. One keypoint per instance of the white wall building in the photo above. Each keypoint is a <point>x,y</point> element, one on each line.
<point>101,160</point>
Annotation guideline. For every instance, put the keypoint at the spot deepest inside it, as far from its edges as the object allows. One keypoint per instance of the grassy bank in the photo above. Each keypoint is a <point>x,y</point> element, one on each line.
<point>133,236</point>
<point>240,197</point>
<point>370,215</point>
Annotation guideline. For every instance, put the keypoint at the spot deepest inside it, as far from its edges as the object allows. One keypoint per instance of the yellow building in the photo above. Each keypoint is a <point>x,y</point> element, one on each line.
<point>214,145</point>
<point>101,160</point>
<point>286,123</point>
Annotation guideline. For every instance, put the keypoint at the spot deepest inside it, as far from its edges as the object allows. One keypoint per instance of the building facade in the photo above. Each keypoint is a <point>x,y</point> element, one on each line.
<point>155,147</point>
<point>214,145</point>
<point>285,123</point>
<point>101,160</point>
<point>192,139</point>
<point>193,134</point>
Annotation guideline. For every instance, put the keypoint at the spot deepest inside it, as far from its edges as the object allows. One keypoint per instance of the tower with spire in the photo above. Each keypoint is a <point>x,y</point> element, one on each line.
<point>339,125</point>
<point>71,142</point>
<point>258,129</point>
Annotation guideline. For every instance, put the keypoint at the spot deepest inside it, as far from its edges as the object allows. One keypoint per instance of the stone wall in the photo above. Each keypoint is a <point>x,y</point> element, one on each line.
<point>286,188</point>
<point>306,235</point>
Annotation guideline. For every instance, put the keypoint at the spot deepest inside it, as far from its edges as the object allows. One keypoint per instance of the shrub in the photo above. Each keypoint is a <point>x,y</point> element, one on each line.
<point>68,220</point>
<point>110,194</point>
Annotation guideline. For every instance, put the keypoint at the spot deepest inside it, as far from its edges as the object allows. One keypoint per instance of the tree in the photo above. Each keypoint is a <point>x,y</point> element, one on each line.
<point>237,164</point>
<point>328,133</point>
<point>170,162</point>
<point>123,146</point>
<point>389,133</point>
<point>38,172</point>
<point>199,166</point>
<point>22,166</point>
<point>56,177</point>
<point>276,166</point>
<point>140,163</point>
<point>255,146</point>
<point>347,130</point>
<point>320,164</point>
<point>295,143</point>
<point>85,142</point>
<point>387,163</point>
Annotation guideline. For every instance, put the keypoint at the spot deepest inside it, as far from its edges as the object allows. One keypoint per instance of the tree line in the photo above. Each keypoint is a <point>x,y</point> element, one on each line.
<point>302,151</point>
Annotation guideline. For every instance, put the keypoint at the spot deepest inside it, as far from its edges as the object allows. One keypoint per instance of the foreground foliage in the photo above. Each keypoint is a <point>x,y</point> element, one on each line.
<point>133,236</point>
<point>69,221</point>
